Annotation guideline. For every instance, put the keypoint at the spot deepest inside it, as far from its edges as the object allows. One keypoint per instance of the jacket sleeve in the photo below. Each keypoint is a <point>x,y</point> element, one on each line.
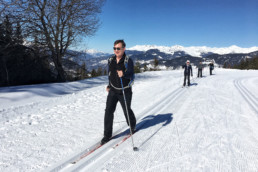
<point>130,69</point>
<point>108,72</point>
<point>109,85</point>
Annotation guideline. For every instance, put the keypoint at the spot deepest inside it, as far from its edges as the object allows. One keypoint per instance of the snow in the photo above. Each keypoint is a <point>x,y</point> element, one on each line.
<point>210,126</point>
<point>195,50</point>
<point>95,53</point>
<point>104,62</point>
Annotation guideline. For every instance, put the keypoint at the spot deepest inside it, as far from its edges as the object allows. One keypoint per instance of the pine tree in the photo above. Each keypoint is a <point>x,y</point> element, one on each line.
<point>247,65</point>
<point>145,68</point>
<point>93,73</point>
<point>137,68</point>
<point>225,65</point>
<point>83,71</point>
<point>242,64</point>
<point>156,63</point>
<point>253,63</point>
<point>99,71</point>
<point>105,72</point>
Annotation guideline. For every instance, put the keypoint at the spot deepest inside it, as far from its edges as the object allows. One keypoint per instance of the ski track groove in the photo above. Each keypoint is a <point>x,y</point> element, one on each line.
<point>158,106</point>
<point>251,100</point>
<point>228,147</point>
<point>240,166</point>
<point>166,101</point>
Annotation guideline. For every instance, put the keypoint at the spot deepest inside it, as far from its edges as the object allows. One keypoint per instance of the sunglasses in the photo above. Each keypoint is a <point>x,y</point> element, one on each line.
<point>117,48</point>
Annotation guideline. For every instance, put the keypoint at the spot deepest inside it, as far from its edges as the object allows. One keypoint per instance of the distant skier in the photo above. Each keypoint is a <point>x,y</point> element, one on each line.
<point>120,66</point>
<point>188,71</point>
<point>211,67</point>
<point>200,67</point>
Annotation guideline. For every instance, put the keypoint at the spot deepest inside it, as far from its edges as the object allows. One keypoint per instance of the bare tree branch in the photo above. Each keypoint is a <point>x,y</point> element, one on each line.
<point>58,23</point>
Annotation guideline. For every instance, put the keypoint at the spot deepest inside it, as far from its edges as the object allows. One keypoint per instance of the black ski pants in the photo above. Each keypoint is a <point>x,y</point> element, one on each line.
<point>188,79</point>
<point>199,73</point>
<point>111,103</point>
<point>210,71</point>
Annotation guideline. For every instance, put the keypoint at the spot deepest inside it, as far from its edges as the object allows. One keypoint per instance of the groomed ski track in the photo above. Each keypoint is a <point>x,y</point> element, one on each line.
<point>188,126</point>
<point>210,126</point>
<point>107,150</point>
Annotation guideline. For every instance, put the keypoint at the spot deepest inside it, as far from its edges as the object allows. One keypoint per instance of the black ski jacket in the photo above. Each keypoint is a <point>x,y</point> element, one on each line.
<point>114,80</point>
<point>188,70</point>
<point>211,66</point>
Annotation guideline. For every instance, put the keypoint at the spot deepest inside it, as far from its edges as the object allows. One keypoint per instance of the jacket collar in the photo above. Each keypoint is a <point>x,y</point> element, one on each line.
<point>122,59</point>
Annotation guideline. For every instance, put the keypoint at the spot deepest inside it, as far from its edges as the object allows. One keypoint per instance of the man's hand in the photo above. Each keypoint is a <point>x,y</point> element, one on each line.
<point>107,88</point>
<point>120,73</point>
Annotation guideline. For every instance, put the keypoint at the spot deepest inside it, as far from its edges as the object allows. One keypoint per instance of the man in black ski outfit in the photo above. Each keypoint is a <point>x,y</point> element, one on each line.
<point>117,70</point>
<point>211,67</point>
<point>187,72</point>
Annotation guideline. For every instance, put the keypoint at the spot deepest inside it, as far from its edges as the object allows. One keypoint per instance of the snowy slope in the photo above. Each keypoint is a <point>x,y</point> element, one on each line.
<point>211,126</point>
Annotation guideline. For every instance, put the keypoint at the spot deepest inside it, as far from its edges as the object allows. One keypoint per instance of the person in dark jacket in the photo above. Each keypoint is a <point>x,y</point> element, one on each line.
<point>211,67</point>
<point>117,70</point>
<point>200,67</point>
<point>188,71</point>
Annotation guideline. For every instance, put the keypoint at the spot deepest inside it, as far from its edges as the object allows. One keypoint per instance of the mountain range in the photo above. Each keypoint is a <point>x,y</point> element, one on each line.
<point>174,56</point>
<point>195,51</point>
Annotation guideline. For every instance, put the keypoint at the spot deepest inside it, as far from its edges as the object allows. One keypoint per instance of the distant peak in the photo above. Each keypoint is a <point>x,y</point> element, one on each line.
<point>92,51</point>
<point>195,50</point>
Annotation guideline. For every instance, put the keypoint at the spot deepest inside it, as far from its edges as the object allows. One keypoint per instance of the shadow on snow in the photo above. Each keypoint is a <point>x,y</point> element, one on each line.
<point>150,121</point>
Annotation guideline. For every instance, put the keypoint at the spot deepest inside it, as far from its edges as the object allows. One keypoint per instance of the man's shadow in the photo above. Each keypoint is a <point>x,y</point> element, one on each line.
<point>194,84</point>
<point>150,121</point>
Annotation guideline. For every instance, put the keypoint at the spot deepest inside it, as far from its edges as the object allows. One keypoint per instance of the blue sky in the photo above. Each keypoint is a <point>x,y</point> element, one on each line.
<point>213,23</point>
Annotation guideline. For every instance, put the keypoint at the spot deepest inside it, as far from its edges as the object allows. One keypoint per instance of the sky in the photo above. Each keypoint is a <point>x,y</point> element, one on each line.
<point>212,23</point>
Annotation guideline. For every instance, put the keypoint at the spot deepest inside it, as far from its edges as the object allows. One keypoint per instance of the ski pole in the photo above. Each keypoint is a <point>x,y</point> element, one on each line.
<point>181,72</point>
<point>134,148</point>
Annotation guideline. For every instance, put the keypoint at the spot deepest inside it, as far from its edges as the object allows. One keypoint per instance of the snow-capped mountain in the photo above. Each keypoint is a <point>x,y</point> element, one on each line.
<point>92,53</point>
<point>175,56</point>
<point>196,51</point>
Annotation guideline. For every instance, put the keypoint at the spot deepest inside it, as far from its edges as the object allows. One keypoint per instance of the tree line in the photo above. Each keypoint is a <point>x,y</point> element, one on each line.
<point>245,63</point>
<point>49,28</point>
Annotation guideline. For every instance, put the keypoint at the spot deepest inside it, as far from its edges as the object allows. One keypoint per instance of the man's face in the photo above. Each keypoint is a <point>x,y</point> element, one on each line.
<point>119,50</point>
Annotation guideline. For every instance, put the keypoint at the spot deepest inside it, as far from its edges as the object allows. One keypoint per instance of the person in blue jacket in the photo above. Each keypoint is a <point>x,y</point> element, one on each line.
<point>119,66</point>
<point>188,71</point>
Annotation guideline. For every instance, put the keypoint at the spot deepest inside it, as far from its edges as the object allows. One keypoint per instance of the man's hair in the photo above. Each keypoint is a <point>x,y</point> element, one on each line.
<point>120,41</point>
